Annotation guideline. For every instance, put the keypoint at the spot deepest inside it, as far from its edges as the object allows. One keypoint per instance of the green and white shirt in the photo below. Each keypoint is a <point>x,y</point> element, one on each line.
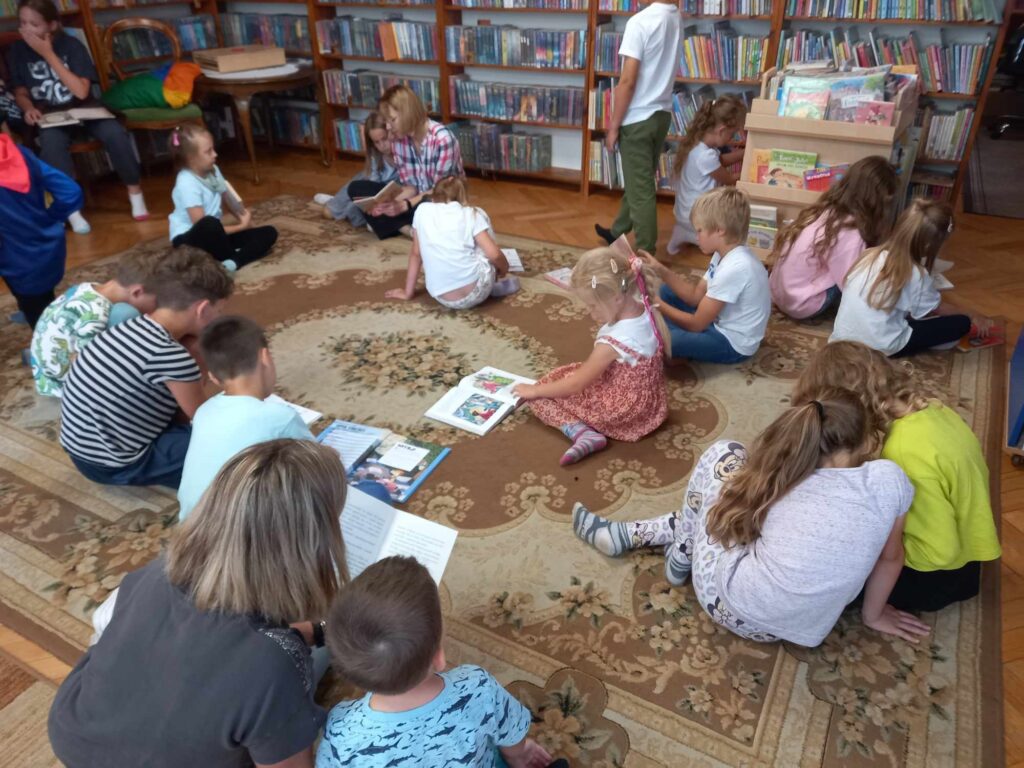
<point>65,328</point>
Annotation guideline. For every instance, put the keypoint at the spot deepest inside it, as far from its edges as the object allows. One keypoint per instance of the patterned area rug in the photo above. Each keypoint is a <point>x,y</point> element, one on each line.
<point>618,668</point>
<point>24,703</point>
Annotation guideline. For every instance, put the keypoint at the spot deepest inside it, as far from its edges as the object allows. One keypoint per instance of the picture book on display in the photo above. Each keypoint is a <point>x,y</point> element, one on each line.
<point>479,402</point>
<point>374,530</point>
<point>764,226</point>
<point>398,463</point>
<point>786,168</point>
<point>875,113</point>
<point>805,97</point>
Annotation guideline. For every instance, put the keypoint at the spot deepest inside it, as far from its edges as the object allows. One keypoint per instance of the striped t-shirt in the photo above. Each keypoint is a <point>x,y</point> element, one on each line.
<point>116,402</point>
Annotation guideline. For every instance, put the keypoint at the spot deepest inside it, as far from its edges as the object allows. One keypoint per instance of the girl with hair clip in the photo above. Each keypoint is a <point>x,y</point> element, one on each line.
<point>699,167</point>
<point>890,301</point>
<point>813,253</point>
<point>454,244</point>
<point>199,194</point>
<point>619,391</point>
<point>379,168</point>
<point>950,529</point>
<point>779,541</point>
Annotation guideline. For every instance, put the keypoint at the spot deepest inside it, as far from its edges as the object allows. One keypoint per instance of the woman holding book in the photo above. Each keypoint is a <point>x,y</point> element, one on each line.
<point>424,153</point>
<point>50,70</point>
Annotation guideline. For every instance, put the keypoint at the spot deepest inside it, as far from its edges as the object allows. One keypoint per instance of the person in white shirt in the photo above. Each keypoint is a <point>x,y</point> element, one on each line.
<point>722,318</point>
<point>890,302</point>
<point>454,244</point>
<point>641,116</point>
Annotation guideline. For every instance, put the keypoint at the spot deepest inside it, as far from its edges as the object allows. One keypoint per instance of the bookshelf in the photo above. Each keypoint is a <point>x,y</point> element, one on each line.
<point>980,22</point>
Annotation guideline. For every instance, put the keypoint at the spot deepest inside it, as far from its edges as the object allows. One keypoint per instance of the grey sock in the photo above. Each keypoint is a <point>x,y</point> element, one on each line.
<point>605,536</point>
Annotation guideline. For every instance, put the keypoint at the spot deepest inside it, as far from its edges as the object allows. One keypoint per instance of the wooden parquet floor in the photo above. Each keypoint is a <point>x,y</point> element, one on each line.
<point>989,278</point>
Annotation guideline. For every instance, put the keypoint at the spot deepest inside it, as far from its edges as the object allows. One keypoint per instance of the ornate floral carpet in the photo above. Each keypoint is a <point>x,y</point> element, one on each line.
<point>619,669</point>
<point>24,703</point>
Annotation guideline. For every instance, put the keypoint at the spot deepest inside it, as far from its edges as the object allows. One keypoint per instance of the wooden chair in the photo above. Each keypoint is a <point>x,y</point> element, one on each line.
<point>149,118</point>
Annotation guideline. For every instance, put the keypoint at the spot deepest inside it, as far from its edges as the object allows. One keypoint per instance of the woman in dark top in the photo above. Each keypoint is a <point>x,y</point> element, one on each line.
<point>206,660</point>
<point>51,70</point>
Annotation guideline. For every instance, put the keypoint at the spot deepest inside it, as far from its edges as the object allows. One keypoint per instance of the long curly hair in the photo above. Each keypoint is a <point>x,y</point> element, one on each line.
<point>863,198</point>
<point>726,110</point>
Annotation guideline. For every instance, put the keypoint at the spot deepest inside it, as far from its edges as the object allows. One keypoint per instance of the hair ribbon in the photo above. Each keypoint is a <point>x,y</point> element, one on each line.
<point>637,266</point>
<point>176,137</point>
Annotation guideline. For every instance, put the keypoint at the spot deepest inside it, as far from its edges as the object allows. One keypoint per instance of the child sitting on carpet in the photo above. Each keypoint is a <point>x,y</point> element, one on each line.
<point>890,301</point>
<point>454,243</point>
<point>619,391</point>
<point>722,318</point>
<point>780,543</point>
<point>124,390</point>
<point>199,194</point>
<point>82,312</point>
<point>949,528</point>
<point>385,635</point>
<point>379,167</point>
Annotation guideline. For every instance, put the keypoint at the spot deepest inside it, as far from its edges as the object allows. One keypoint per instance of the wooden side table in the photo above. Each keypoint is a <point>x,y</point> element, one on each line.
<point>241,91</point>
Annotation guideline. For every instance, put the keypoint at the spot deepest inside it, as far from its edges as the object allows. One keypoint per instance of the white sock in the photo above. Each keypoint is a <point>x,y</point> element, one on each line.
<point>322,198</point>
<point>505,286</point>
<point>78,224</point>
<point>138,205</point>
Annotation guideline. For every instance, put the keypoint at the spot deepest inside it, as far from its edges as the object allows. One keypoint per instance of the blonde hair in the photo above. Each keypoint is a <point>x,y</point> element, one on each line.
<point>782,457</point>
<point>723,208</point>
<point>450,189</point>
<point>915,240</point>
<point>183,142</point>
<point>411,112</point>
<point>884,387</point>
<point>603,273</point>
<point>374,122</point>
<point>726,110</point>
<point>265,538</point>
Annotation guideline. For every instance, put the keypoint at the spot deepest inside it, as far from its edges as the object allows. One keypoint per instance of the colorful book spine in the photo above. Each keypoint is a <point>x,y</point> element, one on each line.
<point>943,134</point>
<point>291,121</point>
<point>606,48</point>
<point>362,88</point>
<point>606,167</point>
<point>926,10</point>
<point>508,46</point>
<point>722,54</point>
<point>285,30</point>
<point>384,39</point>
<point>349,134</point>
<point>498,147</point>
<point>936,186</point>
<point>561,105</point>
<point>618,5</point>
<point>726,7</point>
<point>554,5</point>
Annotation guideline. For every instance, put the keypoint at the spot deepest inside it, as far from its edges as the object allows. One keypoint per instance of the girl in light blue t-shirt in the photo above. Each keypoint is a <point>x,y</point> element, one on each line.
<point>199,193</point>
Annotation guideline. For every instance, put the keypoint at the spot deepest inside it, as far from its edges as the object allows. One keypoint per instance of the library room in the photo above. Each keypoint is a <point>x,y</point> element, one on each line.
<point>527,383</point>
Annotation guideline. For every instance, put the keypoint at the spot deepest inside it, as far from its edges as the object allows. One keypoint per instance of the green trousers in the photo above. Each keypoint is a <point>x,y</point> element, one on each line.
<point>641,145</point>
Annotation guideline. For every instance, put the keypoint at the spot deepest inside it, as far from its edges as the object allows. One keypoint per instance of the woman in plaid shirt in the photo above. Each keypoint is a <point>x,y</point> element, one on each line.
<point>425,152</point>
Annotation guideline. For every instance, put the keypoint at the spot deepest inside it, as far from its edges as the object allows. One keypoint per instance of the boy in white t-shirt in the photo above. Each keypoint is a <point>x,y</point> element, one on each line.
<point>722,318</point>
<point>454,244</point>
<point>641,116</point>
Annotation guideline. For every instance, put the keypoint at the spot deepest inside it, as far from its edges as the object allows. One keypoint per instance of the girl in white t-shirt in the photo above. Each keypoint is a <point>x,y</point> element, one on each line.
<point>699,167</point>
<point>780,541</point>
<point>454,243</point>
<point>619,391</point>
<point>890,302</point>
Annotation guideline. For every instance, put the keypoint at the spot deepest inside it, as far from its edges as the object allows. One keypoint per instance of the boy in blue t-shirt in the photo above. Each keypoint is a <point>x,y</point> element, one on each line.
<point>384,632</point>
<point>238,359</point>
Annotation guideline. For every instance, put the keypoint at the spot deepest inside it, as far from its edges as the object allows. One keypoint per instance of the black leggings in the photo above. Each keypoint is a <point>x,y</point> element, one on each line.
<point>934,590</point>
<point>383,226</point>
<point>32,305</point>
<point>243,247</point>
<point>934,332</point>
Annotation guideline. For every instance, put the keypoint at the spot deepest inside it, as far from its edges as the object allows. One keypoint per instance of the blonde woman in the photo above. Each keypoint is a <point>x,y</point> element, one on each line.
<point>206,660</point>
<point>780,541</point>
<point>424,153</point>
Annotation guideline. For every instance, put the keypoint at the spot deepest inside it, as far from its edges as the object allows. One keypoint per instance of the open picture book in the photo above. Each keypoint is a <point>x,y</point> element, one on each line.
<point>75,116</point>
<point>374,530</point>
<point>480,401</point>
<point>399,464</point>
<point>386,195</point>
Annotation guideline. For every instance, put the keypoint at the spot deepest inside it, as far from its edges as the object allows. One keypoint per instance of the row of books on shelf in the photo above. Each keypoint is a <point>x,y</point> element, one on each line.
<point>285,30</point>
<point>943,134</point>
<point>606,167</point>
<point>363,88</point>
<point>726,7</point>
<point>937,186</point>
<point>382,2</point>
<point>867,96</point>
<point>911,10</point>
<point>685,103</point>
<point>514,47</point>
<point>194,32</point>
<point>518,103</point>
<point>349,135</point>
<point>721,54</point>
<point>387,39</point>
<point>291,122</point>
<point>543,5</point>
<point>499,147</point>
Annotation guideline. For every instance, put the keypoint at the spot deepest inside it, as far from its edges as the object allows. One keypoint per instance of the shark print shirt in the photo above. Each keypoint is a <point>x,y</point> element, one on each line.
<point>471,717</point>
<point>29,70</point>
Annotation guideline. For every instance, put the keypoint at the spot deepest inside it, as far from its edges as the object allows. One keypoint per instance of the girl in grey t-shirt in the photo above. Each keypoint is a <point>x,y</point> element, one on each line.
<point>781,541</point>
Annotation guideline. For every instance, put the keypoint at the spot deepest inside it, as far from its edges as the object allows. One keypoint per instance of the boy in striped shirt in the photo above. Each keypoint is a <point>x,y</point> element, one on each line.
<point>125,390</point>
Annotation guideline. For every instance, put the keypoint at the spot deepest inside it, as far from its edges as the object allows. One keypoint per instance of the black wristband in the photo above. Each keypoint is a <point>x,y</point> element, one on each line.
<point>318,634</point>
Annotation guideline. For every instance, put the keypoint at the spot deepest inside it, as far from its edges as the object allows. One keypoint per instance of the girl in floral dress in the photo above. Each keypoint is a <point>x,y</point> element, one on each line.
<point>619,391</point>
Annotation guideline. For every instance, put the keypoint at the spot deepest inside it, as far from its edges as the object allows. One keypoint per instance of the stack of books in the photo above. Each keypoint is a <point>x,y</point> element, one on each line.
<point>764,226</point>
<point>930,10</point>
<point>518,103</point>
<point>285,30</point>
<point>350,135</point>
<point>943,134</point>
<point>510,46</point>
<point>722,54</point>
<point>385,39</point>
<point>363,88</point>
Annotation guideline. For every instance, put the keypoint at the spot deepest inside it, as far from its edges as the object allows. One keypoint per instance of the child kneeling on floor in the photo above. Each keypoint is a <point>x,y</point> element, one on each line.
<point>123,393</point>
<point>454,243</point>
<point>199,194</point>
<point>84,311</point>
<point>950,529</point>
<point>385,635</point>
<point>619,391</point>
<point>722,318</point>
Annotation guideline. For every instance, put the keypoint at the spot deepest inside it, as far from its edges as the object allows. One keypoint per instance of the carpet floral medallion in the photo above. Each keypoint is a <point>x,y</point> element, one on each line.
<point>618,668</point>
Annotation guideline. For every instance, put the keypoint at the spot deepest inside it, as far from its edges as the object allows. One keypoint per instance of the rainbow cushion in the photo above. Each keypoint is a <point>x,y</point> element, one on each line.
<point>169,86</point>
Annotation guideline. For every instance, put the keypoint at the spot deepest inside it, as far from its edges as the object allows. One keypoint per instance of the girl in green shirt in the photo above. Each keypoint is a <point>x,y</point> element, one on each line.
<point>949,528</point>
